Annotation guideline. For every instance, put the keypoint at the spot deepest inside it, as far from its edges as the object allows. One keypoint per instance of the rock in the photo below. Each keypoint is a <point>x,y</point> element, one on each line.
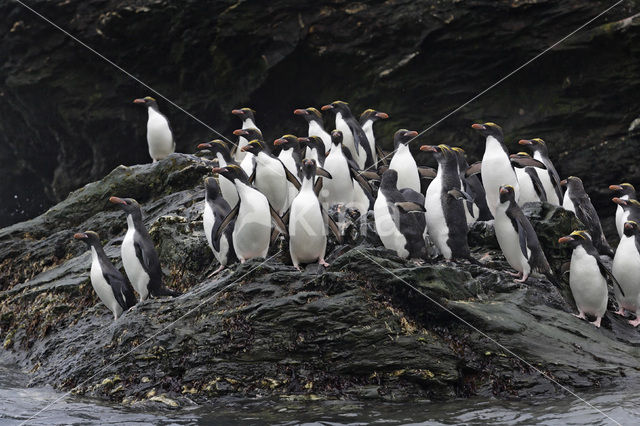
<point>370,326</point>
<point>576,96</point>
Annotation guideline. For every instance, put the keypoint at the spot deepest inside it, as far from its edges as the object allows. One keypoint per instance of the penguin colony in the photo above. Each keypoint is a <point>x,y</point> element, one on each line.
<point>420,213</point>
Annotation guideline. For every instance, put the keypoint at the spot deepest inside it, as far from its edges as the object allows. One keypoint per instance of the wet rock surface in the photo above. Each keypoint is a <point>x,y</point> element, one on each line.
<point>369,326</point>
<point>67,116</point>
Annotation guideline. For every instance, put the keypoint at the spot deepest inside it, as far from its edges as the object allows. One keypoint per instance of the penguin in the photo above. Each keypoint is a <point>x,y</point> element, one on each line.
<point>367,118</point>
<point>290,156</point>
<point>550,179</point>
<point>159,135</point>
<point>247,115</point>
<point>316,127</point>
<point>478,208</point>
<point>222,153</point>
<point>111,287</point>
<point>270,176</point>
<point>308,221</point>
<point>338,190</point>
<point>624,191</point>
<point>587,276</point>
<point>253,214</point>
<point>216,209</point>
<point>446,221</point>
<point>626,265</point>
<point>577,201</point>
<point>354,138</point>
<point>248,163</point>
<point>399,221</point>
<point>630,208</point>
<point>496,168</point>
<point>517,238</point>
<point>139,256</point>
<point>315,149</point>
<point>531,187</point>
<point>403,162</point>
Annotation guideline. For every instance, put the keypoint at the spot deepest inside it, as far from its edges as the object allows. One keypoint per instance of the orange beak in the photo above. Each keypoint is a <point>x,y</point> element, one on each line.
<point>428,148</point>
<point>382,115</point>
<point>116,200</point>
<point>80,236</point>
<point>279,142</point>
<point>564,240</point>
<point>326,107</point>
<point>240,132</point>
<point>525,142</point>
<point>478,126</point>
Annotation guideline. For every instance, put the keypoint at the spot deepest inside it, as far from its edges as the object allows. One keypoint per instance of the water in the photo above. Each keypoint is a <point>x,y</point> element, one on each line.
<point>18,403</point>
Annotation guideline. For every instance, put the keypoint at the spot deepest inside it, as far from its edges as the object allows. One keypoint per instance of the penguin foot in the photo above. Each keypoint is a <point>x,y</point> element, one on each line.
<point>323,263</point>
<point>417,262</point>
<point>581,315</point>
<point>216,271</point>
<point>635,322</point>
<point>523,279</point>
<point>298,268</point>
<point>515,274</point>
<point>597,322</point>
<point>620,311</point>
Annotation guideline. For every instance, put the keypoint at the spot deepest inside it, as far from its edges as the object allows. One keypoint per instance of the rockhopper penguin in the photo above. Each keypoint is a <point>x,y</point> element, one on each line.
<point>624,191</point>
<point>626,269</point>
<point>159,135</point>
<point>215,210</point>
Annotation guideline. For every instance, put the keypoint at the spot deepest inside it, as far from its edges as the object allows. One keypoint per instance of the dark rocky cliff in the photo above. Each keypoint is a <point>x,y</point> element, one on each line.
<point>66,116</point>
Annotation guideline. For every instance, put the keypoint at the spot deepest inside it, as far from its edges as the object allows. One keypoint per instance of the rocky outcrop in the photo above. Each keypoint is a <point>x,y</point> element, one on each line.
<point>369,326</point>
<point>67,116</point>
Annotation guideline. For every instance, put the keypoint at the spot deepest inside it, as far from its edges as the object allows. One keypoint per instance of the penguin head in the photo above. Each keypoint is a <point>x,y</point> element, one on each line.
<point>576,238</point>
<point>507,194</point>
<point>216,146</point>
<point>573,184</point>
<point>460,156</point>
<point>403,136</point>
<point>308,168</point>
<point>373,115</point>
<point>129,205</point>
<point>249,134</point>
<point>627,204</point>
<point>535,145</point>
<point>336,137</point>
<point>232,172</point>
<point>147,101</point>
<point>389,179</point>
<point>312,142</point>
<point>338,107</point>
<point>489,129</point>
<point>309,114</point>
<point>212,188</point>
<point>255,146</point>
<point>631,228</point>
<point>287,142</point>
<point>624,189</point>
<point>245,114</point>
<point>88,237</point>
<point>440,152</point>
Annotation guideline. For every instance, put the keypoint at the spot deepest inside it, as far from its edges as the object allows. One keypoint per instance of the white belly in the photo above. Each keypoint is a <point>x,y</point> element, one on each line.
<point>567,204</point>
<point>228,191</point>
<point>387,228</point>
<point>208,221</point>
<point>496,171</point>
<point>360,200</point>
<point>307,229</point>
<point>621,217</point>
<point>367,127</point>
<point>509,241</point>
<point>436,223</point>
<point>132,266</point>
<point>549,188</point>
<point>316,130</point>
<point>405,165</point>
<point>626,269</point>
<point>588,286</point>
<point>272,182</point>
<point>252,231</point>
<point>102,287</point>
<point>247,163</point>
<point>159,136</point>
<point>348,140</point>
<point>527,190</point>
<point>339,189</point>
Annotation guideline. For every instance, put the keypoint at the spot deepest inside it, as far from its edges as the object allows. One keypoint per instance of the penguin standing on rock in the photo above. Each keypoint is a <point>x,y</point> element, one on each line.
<point>446,221</point>
<point>308,221</point>
<point>577,201</point>
<point>626,265</point>
<point>247,115</point>
<point>354,138</point>
<point>367,119</point>
<point>587,276</point>
<point>253,214</point>
<point>527,169</point>
<point>290,156</point>
<point>215,210</point>
<point>403,162</point>
<point>399,222</point>
<point>159,135</point>
<point>550,179</point>
<point>338,190</point>
<point>222,153</point>
<point>624,191</point>
<point>109,284</point>
<point>517,238</point>
<point>496,168</point>
<point>316,127</point>
<point>139,256</point>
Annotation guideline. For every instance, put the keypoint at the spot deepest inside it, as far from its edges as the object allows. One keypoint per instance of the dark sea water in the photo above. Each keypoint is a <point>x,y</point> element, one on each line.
<point>18,403</point>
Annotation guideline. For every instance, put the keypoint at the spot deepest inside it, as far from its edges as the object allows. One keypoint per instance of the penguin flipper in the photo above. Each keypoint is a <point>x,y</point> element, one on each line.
<point>278,221</point>
<point>523,162</point>
<point>334,228</point>
<point>276,231</point>
<point>537,183</point>
<point>382,169</point>
<point>122,290</point>
<point>410,207</point>
<point>556,185</point>
<point>474,169</point>
<point>361,180</point>
<point>291,177</point>
<point>382,157</point>
<point>369,175</point>
<point>607,273</point>
<point>460,195</point>
<point>226,221</point>
<point>427,172</point>
<point>323,173</point>
<point>317,187</point>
